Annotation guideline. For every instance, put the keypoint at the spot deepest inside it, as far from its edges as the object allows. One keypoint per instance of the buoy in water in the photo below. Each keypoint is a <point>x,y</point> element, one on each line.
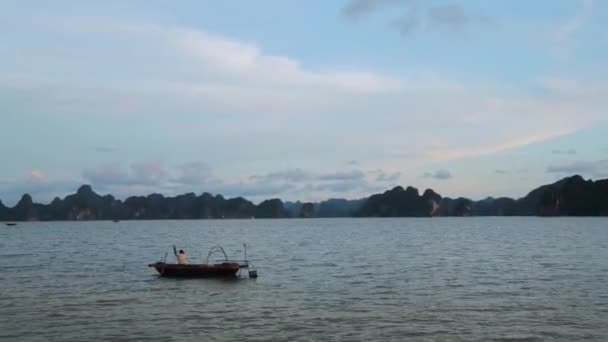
<point>253,274</point>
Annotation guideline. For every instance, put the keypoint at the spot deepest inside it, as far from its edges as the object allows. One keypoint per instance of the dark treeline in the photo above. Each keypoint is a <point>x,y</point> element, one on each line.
<point>572,196</point>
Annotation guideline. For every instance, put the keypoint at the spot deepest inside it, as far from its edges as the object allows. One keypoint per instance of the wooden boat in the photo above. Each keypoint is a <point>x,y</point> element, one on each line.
<point>221,269</point>
<point>10,224</point>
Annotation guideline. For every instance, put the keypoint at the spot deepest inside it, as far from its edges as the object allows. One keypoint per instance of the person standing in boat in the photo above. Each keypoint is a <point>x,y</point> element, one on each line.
<point>182,259</point>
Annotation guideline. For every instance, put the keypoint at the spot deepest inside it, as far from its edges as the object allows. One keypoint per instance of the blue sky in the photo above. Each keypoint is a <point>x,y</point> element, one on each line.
<point>301,99</point>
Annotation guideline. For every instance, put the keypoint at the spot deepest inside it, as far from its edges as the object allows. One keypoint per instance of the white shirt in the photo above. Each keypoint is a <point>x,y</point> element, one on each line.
<point>182,259</point>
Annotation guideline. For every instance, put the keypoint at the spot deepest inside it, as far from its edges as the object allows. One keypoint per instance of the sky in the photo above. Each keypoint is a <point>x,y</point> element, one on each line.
<point>301,100</point>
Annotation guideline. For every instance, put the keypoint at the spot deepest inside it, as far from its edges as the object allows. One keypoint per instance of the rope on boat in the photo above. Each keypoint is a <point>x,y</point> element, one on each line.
<point>216,249</point>
<point>164,262</point>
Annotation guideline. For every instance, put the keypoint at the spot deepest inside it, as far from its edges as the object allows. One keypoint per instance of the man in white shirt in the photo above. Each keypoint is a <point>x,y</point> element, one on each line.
<point>182,259</point>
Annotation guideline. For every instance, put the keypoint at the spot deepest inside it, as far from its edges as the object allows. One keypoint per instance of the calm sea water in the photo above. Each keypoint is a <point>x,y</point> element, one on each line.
<point>439,279</point>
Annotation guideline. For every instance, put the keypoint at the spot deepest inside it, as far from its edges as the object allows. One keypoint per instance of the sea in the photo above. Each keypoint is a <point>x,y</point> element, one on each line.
<point>376,279</point>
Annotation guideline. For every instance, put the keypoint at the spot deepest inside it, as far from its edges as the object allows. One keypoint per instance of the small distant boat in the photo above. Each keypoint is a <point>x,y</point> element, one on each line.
<point>221,269</point>
<point>115,221</point>
<point>10,224</point>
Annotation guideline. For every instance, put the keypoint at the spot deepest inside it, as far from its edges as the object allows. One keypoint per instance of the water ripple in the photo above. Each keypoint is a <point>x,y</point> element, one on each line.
<point>474,279</point>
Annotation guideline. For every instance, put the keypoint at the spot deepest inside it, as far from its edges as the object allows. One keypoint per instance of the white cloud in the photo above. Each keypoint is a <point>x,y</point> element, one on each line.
<point>37,175</point>
<point>438,174</point>
<point>447,153</point>
<point>147,177</point>
<point>568,29</point>
<point>355,9</point>
<point>595,168</point>
<point>565,37</point>
<point>253,103</point>
<point>149,172</point>
<point>353,175</point>
<point>107,174</point>
<point>574,88</point>
<point>568,151</point>
<point>105,149</point>
<point>195,172</point>
<point>293,175</point>
<point>390,178</point>
<point>42,190</point>
<point>208,56</point>
<point>412,16</point>
<point>451,16</point>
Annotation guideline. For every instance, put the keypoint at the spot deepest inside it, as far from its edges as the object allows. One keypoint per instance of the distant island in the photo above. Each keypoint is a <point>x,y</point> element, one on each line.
<point>571,196</point>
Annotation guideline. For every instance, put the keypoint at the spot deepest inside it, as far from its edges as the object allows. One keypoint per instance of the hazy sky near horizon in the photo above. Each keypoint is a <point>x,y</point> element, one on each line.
<point>301,99</point>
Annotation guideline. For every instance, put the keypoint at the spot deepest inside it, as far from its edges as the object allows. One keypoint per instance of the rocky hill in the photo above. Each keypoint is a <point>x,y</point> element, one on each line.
<point>571,196</point>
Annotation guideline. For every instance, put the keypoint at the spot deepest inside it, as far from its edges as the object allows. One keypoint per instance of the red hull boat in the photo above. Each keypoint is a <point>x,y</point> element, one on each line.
<point>222,270</point>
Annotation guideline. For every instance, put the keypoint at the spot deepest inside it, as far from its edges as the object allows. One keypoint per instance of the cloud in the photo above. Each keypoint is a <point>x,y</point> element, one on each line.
<point>151,176</point>
<point>149,172</point>
<point>570,151</point>
<point>294,175</point>
<point>414,16</point>
<point>36,176</point>
<point>405,24</point>
<point>356,9</point>
<point>566,37</point>
<point>568,29</point>
<point>105,149</point>
<point>393,177</point>
<point>194,173</point>
<point>41,189</point>
<point>107,174</point>
<point>596,168</point>
<point>231,59</point>
<point>250,189</point>
<point>199,74</point>
<point>343,186</point>
<point>146,177</point>
<point>299,175</point>
<point>438,174</point>
<point>221,62</point>
<point>591,89</point>
<point>449,153</point>
<point>354,175</point>
<point>449,16</point>
<point>313,186</point>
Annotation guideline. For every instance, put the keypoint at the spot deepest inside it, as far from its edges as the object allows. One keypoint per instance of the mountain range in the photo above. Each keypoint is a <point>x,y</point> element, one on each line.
<point>571,196</point>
